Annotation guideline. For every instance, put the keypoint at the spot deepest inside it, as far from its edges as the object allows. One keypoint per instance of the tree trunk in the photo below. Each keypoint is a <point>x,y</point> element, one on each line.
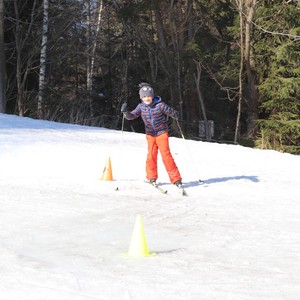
<point>252,101</point>
<point>43,60</point>
<point>88,55</point>
<point>201,101</point>
<point>193,112</point>
<point>167,58</point>
<point>2,61</point>
<point>20,107</point>
<point>177,49</point>
<point>23,66</point>
<point>239,108</point>
<point>99,15</point>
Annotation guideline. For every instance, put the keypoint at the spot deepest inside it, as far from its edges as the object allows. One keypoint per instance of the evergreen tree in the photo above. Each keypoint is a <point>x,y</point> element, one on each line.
<point>278,55</point>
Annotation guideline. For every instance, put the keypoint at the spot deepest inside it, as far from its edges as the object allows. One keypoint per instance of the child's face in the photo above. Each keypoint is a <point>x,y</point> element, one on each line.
<point>147,100</point>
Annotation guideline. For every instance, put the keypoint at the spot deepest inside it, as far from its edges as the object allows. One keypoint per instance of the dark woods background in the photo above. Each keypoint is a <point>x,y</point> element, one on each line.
<point>230,67</point>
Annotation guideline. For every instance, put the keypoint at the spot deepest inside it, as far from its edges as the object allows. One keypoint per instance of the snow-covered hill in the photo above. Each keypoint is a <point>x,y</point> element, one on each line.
<point>64,232</point>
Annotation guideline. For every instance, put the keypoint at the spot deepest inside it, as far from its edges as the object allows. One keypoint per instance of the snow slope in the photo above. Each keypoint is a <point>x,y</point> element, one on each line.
<point>64,232</point>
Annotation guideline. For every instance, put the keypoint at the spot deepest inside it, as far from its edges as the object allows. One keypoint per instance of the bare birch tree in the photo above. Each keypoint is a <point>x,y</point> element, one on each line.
<point>95,41</point>
<point>87,5</point>
<point>42,75</point>
<point>91,42</point>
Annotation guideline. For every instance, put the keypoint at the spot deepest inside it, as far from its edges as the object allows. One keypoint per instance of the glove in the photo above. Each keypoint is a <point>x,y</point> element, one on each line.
<point>124,107</point>
<point>176,115</point>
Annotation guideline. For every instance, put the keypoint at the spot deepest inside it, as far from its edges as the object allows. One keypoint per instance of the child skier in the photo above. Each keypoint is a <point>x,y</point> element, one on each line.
<point>154,113</point>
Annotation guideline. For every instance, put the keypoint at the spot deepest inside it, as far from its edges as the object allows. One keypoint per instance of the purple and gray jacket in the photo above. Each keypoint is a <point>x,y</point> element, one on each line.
<point>154,116</point>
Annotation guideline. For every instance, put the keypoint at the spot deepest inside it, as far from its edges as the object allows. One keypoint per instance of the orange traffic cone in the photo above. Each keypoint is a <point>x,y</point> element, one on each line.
<point>107,172</point>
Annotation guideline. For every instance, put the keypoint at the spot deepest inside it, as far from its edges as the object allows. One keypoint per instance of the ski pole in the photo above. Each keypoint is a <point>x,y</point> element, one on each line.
<point>193,162</point>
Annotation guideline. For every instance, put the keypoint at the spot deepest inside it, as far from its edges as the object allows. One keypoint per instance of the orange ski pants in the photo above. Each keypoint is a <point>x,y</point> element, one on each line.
<point>160,143</point>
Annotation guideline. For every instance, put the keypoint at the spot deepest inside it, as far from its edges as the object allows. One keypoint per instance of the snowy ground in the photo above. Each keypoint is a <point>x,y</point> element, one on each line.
<point>64,232</point>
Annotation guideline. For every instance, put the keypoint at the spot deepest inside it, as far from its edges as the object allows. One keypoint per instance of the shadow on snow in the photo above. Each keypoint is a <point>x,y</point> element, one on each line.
<point>221,179</point>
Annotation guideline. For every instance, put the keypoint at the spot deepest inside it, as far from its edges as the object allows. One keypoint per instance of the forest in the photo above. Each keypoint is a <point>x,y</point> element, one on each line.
<point>230,67</point>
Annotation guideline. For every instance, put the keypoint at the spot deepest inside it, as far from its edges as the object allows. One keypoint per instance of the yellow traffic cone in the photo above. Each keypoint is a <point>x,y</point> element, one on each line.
<point>107,172</point>
<point>138,245</point>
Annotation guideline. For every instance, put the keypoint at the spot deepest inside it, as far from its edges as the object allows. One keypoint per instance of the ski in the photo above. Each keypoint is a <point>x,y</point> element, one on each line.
<point>182,190</point>
<point>155,185</point>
